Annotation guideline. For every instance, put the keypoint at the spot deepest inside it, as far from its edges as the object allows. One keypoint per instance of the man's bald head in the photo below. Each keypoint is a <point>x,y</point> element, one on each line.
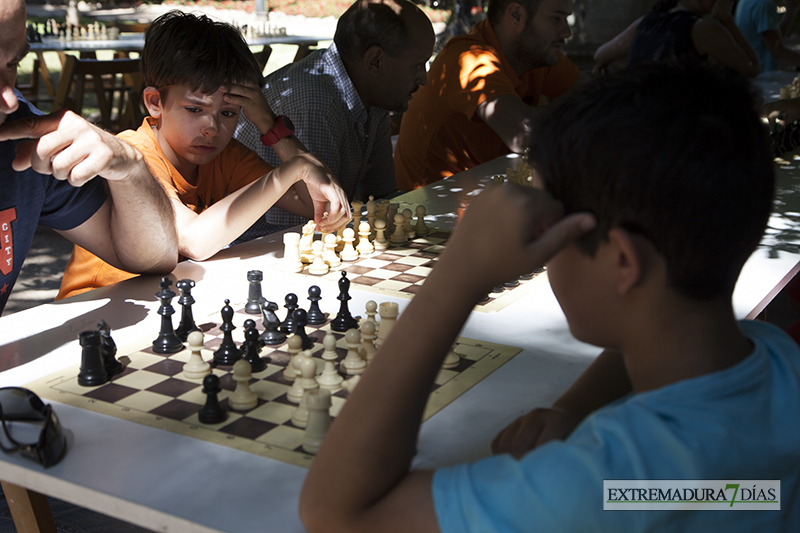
<point>385,23</point>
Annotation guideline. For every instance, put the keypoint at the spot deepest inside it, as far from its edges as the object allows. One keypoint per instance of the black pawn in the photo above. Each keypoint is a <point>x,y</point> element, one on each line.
<point>315,315</point>
<point>344,320</point>
<point>271,335</point>
<point>167,341</point>
<point>186,300</point>
<point>253,306</point>
<point>93,370</point>
<point>108,350</point>
<point>252,347</point>
<point>212,412</point>
<point>287,326</point>
<point>300,322</point>
<point>228,353</point>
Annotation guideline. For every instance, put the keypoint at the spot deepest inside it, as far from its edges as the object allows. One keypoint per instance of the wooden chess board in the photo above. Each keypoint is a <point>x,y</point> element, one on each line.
<point>401,270</point>
<point>153,391</point>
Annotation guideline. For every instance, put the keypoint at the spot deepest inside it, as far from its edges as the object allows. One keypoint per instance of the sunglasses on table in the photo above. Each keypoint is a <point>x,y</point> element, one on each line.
<point>21,413</point>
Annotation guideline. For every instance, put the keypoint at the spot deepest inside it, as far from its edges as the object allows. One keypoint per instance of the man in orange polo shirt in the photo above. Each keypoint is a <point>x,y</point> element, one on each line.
<point>483,89</point>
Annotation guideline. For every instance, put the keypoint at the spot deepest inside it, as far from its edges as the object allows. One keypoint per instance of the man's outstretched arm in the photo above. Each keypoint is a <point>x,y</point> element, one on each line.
<point>135,228</point>
<point>360,479</point>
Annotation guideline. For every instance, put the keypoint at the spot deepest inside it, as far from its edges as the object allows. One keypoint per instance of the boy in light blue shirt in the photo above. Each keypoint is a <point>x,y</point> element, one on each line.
<point>659,186</point>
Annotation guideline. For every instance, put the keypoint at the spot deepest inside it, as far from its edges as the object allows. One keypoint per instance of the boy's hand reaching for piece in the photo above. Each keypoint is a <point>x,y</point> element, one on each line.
<point>507,231</point>
<point>534,429</point>
<point>325,192</point>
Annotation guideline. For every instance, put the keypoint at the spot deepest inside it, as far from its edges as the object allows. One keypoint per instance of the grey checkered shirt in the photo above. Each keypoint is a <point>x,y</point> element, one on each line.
<point>331,121</point>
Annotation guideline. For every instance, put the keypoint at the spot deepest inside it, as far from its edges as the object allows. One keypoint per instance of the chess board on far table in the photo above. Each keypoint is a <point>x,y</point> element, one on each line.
<point>401,270</point>
<point>153,391</point>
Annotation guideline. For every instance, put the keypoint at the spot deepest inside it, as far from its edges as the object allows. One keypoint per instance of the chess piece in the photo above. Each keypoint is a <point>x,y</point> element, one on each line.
<point>294,347</point>
<point>300,318</point>
<point>227,353</point>
<point>307,367</point>
<point>212,411</point>
<point>371,310</point>
<point>252,347</point>
<point>388,312</point>
<point>364,247</point>
<point>368,337</point>
<point>372,209</point>
<point>271,336</point>
<point>315,316</point>
<point>330,379</point>
<point>329,344</point>
<point>380,243</point>
<point>318,403</point>
<point>319,267</point>
<point>344,320</point>
<point>407,229</point>
<point>420,228</point>
<point>399,236</point>
<point>349,253</point>
<point>287,326</point>
<point>357,205</point>
<point>390,216</point>
<point>196,367</point>
<point>306,242</point>
<point>330,256</point>
<point>167,341</point>
<point>93,371</point>
<point>451,360</point>
<point>108,350</point>
<point>242,399</point>
<point>300,414</point>
<point>253,306</point>
<point>291,253</point>
<point>186,300</point>
<point>352,363</point>
<point>349,384</point>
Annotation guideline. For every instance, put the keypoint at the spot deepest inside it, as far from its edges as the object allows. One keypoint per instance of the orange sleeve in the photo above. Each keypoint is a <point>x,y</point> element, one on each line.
<point>474,75</point>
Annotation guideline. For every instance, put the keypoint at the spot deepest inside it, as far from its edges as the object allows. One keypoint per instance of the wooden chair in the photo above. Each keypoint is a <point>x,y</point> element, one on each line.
<point>117,84</point>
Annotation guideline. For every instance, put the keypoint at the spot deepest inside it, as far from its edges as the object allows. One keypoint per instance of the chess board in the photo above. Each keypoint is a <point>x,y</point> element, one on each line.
<point>153,391</point>
<point>401,270</point>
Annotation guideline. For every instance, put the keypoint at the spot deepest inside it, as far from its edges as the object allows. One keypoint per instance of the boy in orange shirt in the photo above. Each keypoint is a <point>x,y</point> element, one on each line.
<point>200,75</point>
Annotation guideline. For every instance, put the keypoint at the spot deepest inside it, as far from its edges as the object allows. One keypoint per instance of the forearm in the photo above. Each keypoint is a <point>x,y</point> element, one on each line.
<point>297,201</point>
<point>604,381</point>
<point>142,223</point>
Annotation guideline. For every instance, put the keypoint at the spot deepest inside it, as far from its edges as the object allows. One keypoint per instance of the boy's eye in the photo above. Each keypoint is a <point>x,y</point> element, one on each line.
<point>193,109</point>
<point>229,114</point>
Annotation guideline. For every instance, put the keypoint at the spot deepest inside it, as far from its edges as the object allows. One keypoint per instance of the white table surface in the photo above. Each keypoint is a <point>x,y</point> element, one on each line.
<point>169,482</point>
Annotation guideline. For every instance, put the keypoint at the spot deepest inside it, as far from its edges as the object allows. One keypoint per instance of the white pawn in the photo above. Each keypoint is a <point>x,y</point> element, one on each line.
<point>318,403</point>
<point>420,228</point>
<point>349,253</point>
<point>390,219</point>
<point>399,236</point>
<point>372,310</point>
<point>306,241</point>
<point>451,360</point>
<point>330,378</point>
<point>196,367</point>
<point>357,205</point>
<point>368,337</point>
<point>242,399</point>
<point>407,229</point>
<point>291,252</point>
<point>329,343</point>
<point>365,247</point>
<point>380,243</point>
<point>293,346</point>
<point>372,208</point>
<point>330,256</point>
<point>352,363</point>
<point>319,267</point>
<point>388,312</point>
<point>307,379</point>
<point>300,414</point>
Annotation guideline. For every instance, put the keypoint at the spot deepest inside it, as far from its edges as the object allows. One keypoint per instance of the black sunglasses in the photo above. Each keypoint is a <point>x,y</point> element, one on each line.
<point>21,411</point>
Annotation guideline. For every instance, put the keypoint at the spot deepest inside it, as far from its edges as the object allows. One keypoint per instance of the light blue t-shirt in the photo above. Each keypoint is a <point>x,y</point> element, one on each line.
<point>754,17</point>
<point>740,423</point>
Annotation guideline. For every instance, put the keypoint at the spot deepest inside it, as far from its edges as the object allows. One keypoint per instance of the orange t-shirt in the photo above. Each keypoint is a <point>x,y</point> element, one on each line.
<point>232,169</point>
<point>440,134</point>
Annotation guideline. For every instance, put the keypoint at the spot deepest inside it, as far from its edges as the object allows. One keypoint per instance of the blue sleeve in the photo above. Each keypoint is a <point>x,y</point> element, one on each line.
<point>765,16</point>
<point>66,207</point>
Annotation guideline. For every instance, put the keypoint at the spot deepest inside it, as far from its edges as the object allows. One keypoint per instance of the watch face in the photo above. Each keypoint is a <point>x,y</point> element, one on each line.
<point>287,123</point>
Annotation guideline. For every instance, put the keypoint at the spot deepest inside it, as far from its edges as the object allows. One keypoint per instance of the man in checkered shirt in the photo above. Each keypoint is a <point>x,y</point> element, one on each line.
<point>339,99</point>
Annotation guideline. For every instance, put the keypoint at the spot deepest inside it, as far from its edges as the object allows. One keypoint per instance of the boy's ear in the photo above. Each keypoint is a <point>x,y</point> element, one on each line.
<point>152,101</point>
<point>632,259</point>
<point>373,60</point>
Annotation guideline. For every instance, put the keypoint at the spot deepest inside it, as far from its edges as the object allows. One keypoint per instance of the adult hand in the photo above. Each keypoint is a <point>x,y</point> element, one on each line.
<point>534,429</point>
<point>254,105</point>
<point>70,148</point>
<point>507,231</point>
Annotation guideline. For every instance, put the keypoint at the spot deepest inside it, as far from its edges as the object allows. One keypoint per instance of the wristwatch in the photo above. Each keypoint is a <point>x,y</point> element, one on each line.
<point>283,128</point>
